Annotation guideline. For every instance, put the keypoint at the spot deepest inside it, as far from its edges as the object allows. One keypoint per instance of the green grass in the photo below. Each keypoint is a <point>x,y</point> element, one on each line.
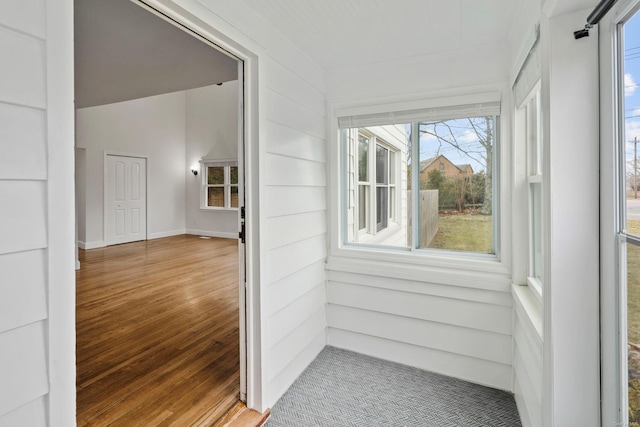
<point>633,320</point>
<point>464,232</point>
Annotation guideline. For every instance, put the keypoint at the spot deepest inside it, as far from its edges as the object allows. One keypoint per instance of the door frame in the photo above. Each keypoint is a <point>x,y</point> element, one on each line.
<point>104,191</point>
<point>251,369</point>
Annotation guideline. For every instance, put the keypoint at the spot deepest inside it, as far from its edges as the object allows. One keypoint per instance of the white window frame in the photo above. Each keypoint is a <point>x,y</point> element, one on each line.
<point>531,108</point>
<point>353,116</point>
<point>227,185</point>
<point>371,224</point>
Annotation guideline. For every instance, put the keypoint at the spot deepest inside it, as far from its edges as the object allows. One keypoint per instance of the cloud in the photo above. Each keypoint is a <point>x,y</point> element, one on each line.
<point>630,85</point>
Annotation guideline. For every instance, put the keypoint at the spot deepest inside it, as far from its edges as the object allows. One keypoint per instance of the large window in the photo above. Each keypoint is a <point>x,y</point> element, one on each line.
<point>451,164</point>
<point>219,185</point>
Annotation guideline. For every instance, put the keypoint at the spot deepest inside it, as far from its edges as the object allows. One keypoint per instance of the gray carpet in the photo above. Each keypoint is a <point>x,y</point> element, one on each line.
<point>342,388</point>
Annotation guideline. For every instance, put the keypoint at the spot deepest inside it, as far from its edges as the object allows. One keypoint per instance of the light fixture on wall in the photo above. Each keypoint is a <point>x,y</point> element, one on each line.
<point>194,171</point>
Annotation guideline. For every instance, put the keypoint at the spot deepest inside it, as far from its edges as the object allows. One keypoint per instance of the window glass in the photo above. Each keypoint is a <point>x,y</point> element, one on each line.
<point>233,175</point>
<point>219,184</point>
<point>456,170</point>
<point>215,196</point>
<point>453,162</point>
<point>215,175</point>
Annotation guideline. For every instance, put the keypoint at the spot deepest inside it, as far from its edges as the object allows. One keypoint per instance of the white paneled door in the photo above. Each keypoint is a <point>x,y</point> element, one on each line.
<point>125,199</point>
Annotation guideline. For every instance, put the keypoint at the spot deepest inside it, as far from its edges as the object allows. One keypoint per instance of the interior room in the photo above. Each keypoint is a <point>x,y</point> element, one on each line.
<point>156,114</point>
<point>513,109</point>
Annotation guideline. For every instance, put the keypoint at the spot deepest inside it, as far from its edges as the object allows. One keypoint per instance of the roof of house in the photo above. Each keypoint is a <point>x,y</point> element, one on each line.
<point>424,164</point>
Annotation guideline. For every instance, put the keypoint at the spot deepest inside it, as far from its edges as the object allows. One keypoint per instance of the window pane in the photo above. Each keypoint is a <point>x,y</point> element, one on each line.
<point>363,159</point>
<point>215,196</point>
<point>233,175</point>
<point>382,165</point>
<point>382,207</point>
<point>633,330</point>
<point>455,167</point>
<point>215,175</point>
<point>362,206</point>
<point>234,196</point>
<point>536,231</point>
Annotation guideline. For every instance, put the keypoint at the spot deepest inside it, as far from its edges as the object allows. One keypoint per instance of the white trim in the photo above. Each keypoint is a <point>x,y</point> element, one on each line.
<point>192,15</point>
<point>526,301</point>
<point>208,233</point>
<point>168,233</point>
<point>58,50</point>
<point>91,245</point>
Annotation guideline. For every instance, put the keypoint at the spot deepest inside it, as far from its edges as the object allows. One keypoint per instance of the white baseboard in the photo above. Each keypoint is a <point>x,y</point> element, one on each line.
<point>91,245</point>
<point>77,265</point>
<point>162,234</point>
<point>222,234</point>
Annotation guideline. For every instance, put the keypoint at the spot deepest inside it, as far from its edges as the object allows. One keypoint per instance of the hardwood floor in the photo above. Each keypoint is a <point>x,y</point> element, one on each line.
<point>157,333</point>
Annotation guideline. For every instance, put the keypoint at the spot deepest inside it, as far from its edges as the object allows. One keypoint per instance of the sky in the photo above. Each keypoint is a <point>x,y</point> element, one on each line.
<point>459,132</point>
<point>631,85</point>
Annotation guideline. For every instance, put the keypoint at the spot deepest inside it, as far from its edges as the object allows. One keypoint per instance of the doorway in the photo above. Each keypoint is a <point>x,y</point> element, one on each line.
<point>233,254</point>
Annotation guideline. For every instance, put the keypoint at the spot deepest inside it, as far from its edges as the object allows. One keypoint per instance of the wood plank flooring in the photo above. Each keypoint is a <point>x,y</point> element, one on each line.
<point>157,333</point>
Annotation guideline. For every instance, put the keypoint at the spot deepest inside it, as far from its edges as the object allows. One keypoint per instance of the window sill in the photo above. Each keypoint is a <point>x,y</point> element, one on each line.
<point>219,209</point>
<point>471,271</point>
<point>528,308</point>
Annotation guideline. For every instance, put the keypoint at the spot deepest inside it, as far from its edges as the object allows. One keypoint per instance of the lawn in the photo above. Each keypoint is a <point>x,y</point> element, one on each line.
<point>463,232</point>
<point>633,322</point>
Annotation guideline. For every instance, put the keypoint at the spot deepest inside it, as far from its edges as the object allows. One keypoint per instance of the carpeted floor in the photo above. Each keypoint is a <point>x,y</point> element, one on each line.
<point>342,388</point>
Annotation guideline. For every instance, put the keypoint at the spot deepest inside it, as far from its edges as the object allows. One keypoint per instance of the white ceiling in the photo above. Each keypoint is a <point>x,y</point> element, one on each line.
<point>343,33</point>
<point>123,52</point>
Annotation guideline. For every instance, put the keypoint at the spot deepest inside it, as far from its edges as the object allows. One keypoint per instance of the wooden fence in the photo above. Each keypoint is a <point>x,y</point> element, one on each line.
<point>428,216</point>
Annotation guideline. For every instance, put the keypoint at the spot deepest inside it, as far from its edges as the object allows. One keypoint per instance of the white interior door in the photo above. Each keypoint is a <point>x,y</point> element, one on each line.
<point>125,199</point>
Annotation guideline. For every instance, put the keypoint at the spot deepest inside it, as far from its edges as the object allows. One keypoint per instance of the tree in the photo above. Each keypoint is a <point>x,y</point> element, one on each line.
<point>455,133</point>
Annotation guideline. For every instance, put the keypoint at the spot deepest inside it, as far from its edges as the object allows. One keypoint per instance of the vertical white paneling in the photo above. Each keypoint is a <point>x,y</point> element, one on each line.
<point>22,78</point>
<point>23,290</point>
<point>23,216</point>
<point>23,366</point>
<point>27,16</point>
<point>33,414</point>
<point>22,143</point>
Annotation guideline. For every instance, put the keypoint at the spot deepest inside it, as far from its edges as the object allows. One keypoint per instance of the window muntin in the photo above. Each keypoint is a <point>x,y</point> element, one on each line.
<point>219,185</point>
<point>380,213</point>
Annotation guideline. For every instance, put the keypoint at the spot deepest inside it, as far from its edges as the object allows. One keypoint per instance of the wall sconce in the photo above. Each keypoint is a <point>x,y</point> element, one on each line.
<point>194,171</point>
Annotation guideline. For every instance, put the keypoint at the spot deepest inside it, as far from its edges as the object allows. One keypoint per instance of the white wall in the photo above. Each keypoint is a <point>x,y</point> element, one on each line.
<point>153,127</point>
<point>447,315</point>
<point>211,133</point>
<point>36,214</point>
<point>571,303</point>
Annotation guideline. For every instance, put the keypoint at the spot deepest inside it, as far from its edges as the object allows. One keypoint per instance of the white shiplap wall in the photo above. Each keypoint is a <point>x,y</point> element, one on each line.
<point>434,322</point>
<point>36,381</point>
<point>23,191</point>
<point>527,355</point>
<point>292,187</point>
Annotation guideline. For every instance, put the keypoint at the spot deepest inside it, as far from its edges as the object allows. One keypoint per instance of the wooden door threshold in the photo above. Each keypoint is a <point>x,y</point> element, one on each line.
<point>241,416</point>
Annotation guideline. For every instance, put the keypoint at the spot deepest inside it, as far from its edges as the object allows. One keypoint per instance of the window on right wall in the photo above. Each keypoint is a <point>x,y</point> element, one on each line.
<point>530,113</point>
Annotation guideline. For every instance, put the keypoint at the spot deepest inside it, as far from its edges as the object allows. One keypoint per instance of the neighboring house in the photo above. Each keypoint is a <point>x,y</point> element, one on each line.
<point>467,317</point>
<point>444,166</point>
